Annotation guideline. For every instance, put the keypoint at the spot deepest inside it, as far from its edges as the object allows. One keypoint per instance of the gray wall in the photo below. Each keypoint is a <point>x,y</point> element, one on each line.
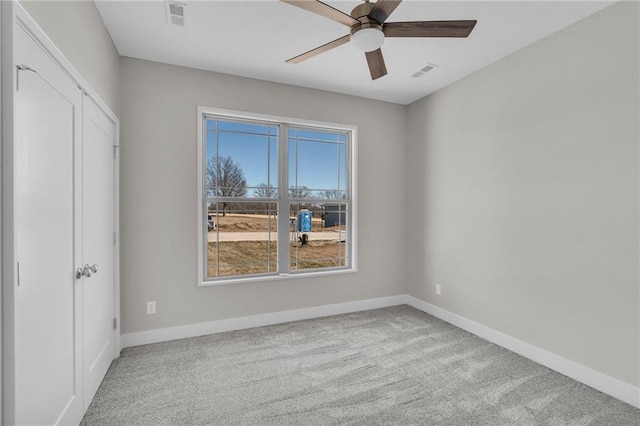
<point>158,196</point>
<point>523,182</point>
<point>77,29</point>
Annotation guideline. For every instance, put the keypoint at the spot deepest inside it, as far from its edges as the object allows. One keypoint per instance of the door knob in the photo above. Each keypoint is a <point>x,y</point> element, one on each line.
<point>86,271</point>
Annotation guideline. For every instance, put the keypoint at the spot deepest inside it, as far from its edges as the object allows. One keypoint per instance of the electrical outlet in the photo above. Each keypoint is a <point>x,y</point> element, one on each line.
<point>438,289</point>
<point>151,308</point>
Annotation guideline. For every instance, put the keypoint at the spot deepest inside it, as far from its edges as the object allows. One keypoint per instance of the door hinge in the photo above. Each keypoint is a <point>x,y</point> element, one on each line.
<point>115,323</point>
<point>84,92</point>
<point>115,151</point>
<point>18,273</point>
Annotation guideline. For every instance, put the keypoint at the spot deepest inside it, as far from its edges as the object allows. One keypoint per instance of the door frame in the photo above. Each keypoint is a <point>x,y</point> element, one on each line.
<point>13,17</point>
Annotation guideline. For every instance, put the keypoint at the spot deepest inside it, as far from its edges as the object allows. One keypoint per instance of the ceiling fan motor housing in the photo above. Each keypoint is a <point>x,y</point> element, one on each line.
<point>361,12</point>
<point>367,35</point>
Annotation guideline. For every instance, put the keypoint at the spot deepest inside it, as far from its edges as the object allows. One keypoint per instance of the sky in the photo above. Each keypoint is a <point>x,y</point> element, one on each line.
<point>317,159</point>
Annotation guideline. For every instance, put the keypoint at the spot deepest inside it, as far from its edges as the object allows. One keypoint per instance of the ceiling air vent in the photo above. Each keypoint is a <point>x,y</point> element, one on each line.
<point>424,70</point>
<point>175,13</point>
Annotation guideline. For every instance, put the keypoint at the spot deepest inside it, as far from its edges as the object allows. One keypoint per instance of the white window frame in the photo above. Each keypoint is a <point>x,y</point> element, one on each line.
<point>283,196</point>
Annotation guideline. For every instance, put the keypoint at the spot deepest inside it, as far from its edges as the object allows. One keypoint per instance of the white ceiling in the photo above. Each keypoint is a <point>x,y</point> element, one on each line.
<point>254,38</point>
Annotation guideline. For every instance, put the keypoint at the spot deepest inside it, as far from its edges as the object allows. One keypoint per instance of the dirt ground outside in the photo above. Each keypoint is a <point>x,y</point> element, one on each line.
<point>227,258</point>
<point>256,257</point>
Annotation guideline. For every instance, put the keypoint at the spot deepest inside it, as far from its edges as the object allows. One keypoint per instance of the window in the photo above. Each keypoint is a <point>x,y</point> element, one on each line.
<point>276,197</point>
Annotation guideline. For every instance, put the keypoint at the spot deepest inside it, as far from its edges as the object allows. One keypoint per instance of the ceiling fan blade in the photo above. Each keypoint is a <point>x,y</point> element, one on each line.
<point>318,50</point>
<point>325,10</point>
<point>382,9</point>
<point>429,29</point>
<point>377,68</point>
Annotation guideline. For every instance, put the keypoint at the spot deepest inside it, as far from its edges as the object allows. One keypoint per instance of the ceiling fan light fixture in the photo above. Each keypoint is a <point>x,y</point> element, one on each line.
<point>367,39</point>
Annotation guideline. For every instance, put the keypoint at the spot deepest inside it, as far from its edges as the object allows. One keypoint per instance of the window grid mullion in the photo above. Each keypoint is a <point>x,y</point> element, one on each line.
<point>269,206</point>
<point>217,185</point>
<point>283,200</point>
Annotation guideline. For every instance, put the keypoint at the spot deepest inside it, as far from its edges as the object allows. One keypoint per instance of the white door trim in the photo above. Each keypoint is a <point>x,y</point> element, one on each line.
<point>14,15</point>
<point>8,235</point>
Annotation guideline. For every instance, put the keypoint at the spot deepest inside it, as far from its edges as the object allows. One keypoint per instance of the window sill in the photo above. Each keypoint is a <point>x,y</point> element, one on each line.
<point>265,278</point>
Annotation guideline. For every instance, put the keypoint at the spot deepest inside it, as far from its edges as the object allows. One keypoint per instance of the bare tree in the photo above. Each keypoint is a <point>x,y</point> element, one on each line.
<point>265,191</point>
<point>300,192</point>
<point>332,194</point>
<point>225,179</point>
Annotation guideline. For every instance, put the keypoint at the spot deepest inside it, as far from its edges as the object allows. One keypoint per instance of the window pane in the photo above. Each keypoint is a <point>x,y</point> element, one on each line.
<point>250,154</point>
<point>342,168</point>
<point>315,165</point>
<point>318,236</point>
<point>242,239</point>
<point>241,160</point>
<point>273,162</point>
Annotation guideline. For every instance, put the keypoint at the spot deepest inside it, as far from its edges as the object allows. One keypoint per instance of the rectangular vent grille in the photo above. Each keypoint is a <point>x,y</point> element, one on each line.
<point>424,70</point>
<point>175,13</point>
<point>176,9</point>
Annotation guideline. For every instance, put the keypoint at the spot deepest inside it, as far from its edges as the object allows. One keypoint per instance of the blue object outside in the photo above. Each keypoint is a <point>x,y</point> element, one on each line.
<point>304,221</point>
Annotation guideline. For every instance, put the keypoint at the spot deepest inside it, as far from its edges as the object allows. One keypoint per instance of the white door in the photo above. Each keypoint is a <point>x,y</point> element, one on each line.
<point>65,336</point>
<point>47,295</point>
<point>98,245</point>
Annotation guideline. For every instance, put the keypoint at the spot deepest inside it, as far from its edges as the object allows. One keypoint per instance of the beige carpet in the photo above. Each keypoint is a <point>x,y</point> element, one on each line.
<point>394,366</point>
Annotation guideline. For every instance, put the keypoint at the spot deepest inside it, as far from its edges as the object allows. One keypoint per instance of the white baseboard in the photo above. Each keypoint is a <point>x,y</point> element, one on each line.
<point>204,328</point>
<point>606,384</point>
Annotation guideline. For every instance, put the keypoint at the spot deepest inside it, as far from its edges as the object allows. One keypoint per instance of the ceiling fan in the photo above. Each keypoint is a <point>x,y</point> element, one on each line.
<point>369,29</point>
